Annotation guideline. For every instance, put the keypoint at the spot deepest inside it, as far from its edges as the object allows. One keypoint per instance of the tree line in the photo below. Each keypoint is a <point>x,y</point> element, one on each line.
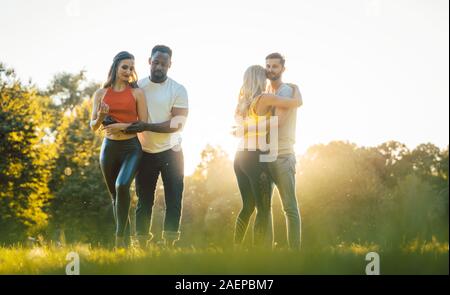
<point>51,184</point>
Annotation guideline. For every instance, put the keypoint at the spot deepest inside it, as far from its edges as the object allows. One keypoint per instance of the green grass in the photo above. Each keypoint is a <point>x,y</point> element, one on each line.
<point>342,259</point>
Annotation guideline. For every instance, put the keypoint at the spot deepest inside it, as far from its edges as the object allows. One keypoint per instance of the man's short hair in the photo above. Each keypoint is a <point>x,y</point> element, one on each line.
<point>162,49</point>
<point>276,55</point>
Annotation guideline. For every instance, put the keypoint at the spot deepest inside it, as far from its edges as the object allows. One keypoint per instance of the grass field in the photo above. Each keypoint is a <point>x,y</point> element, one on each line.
<point>416,258</point>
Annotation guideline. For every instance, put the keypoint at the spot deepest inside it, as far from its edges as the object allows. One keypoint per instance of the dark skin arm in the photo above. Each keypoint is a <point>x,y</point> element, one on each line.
<point>179,116</point>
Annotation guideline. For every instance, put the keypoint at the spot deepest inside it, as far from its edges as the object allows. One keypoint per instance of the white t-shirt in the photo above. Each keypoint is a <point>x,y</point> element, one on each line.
<point>161,98</point>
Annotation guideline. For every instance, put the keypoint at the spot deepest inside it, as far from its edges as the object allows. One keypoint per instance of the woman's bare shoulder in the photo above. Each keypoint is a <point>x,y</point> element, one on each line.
<point>99,93</point>
<point>138,92</point>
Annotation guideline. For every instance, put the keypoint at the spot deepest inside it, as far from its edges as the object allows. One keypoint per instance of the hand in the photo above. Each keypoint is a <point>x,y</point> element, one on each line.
<point>103,110</point>
<point>135,127</point>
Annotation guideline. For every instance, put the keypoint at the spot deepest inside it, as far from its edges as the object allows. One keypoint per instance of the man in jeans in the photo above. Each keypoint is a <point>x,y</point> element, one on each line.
<point>167,104</point>
<point>282,169</point>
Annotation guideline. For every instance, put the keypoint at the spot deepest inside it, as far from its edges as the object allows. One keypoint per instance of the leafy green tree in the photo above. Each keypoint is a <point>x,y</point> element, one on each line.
<point>427,160</point>
<point>81,208</point>
<point>27,152</point>
<point>69,90</point>
<point>395,162</point>
<point>211,200</point>
<point>339,193</point>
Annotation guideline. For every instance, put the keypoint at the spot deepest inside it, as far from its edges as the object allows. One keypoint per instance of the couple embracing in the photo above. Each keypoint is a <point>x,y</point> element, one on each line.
<point>266,115</point>
<point>142,120</point>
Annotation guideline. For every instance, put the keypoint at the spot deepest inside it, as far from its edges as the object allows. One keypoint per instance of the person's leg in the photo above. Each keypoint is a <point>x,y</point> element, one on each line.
<point>172,174</point>
<point>132,154</point>
<point>283,174</point>
<point>248,200</point>
<point>260,183</point>
<point>110,167</point>
<point>146,179</point>
<point>267,189</point>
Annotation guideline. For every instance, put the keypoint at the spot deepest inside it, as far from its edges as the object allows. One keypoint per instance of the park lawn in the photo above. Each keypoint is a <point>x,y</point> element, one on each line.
<point>343,259</point>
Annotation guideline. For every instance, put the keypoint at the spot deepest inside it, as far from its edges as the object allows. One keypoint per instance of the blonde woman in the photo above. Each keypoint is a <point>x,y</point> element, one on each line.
<point>252,176</point>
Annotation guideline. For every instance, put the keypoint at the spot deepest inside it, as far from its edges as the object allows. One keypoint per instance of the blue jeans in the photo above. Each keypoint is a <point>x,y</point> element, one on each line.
<point>170,164</point>
<point>282,172</point>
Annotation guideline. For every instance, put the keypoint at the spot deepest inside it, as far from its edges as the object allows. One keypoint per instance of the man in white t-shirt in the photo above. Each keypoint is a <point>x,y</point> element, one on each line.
<point>167,104</point>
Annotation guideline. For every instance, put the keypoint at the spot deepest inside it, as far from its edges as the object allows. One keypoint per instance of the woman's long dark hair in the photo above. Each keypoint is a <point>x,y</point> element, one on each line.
<point>112,75</point>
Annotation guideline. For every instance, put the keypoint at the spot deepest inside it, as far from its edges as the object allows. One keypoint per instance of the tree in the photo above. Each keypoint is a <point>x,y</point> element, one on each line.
<point>81,207</point>
<point>429,163</point>
<point>27,157</point>
<point>396,162</point>
<point>211,200</point>
<point>69,90</point>
<point>81,203</point>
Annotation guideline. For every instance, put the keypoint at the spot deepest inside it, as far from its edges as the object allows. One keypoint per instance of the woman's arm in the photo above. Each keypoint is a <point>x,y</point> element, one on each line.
<point>251,125</point>
<point>271,100</point>
<point>141,103</point>
<point>99,110</point>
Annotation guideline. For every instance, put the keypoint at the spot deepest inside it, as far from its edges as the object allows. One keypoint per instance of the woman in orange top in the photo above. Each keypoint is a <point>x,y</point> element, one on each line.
<point>118,104</point>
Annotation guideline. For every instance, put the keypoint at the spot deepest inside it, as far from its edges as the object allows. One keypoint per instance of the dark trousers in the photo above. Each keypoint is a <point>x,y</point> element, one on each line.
<point>255,187</point>
<point>119,161</point>
<point>170,164</point>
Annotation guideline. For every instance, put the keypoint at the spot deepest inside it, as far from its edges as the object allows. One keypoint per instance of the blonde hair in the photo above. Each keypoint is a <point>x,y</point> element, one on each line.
<point>254,84</point>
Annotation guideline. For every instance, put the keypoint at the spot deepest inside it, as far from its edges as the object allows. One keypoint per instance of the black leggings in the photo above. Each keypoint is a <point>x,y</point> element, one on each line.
<point>255,186</point>
<point>119,160</point>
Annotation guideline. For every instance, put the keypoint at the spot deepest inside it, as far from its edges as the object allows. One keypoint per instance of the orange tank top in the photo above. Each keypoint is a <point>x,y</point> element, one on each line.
<point>122,105</point>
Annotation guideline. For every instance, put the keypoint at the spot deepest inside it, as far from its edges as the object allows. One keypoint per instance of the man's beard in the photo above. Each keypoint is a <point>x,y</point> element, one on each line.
<point>158,76</point>
<point>273,77</point>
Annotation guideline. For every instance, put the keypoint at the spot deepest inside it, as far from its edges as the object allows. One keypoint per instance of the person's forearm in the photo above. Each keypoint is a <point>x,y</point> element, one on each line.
<point>95,124</point>
<point>163,127</point>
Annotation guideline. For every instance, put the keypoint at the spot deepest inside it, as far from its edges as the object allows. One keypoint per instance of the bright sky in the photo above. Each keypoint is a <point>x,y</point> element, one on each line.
<point>369,70</point>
